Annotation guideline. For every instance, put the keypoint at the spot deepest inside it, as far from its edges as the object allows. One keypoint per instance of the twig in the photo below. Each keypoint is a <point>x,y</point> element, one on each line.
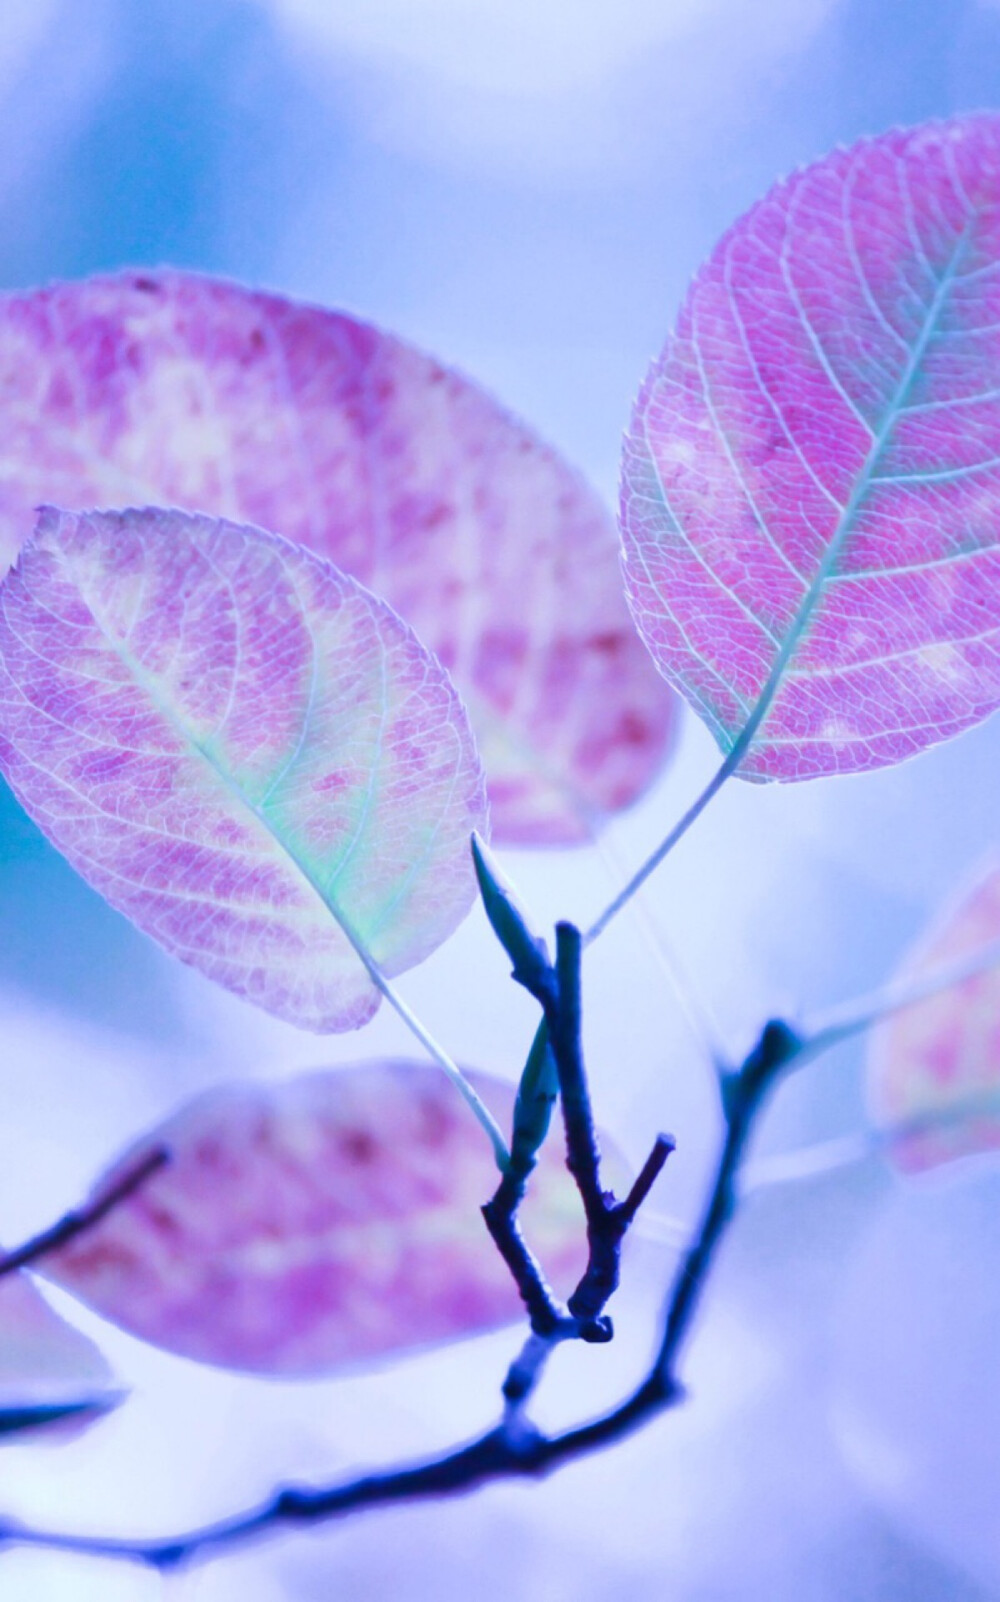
<point>521,1451</point>
<point>557,989</point>
<point>558,1043</point>
<point>545,1313</point>
<point>500,1453</point>
<point>84,1218</point>
<point>744,1094</point>
<point>524,1375</point>
<point>646,1177</point>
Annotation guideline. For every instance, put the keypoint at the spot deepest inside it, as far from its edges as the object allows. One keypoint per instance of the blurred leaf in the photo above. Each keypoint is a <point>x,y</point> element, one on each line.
<point>241,749</point>
<point>811,497</point>
<point>50,1374</point>
<point>936,1066</point>
<point>318,1222</point>
<point>166,388</point>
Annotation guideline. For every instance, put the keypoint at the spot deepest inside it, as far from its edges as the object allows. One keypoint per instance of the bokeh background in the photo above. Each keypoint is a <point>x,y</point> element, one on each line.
<point>524,187</point>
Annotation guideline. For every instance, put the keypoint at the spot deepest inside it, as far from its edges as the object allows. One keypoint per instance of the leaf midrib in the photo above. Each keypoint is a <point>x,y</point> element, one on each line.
<point>170,717</point>
<point>845,522</point>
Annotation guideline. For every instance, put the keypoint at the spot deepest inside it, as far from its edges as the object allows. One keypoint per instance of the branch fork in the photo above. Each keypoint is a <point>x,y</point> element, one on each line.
<point>555,1064</point>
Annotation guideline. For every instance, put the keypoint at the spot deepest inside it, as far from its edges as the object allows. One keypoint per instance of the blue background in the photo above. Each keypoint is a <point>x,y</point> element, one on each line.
<point>524,188</point>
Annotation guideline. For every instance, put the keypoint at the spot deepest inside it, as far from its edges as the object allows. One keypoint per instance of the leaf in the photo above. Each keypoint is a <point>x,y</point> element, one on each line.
<point>167,388</point>
<point>507,918</point>
<point>811,481</point>
<point>537,1094</point>
<point>936,1066</point>
<point>316,1222</point>
<point>241,749</point>
<point>49,1373</point>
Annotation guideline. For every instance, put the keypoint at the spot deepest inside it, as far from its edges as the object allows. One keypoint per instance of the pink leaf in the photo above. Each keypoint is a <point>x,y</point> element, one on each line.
<point>936,1066</point>
<point>811,488</point>
<point>317,1222</point>
<point>170,389</point>
<point>240,748</point>
<point>49,1372</point>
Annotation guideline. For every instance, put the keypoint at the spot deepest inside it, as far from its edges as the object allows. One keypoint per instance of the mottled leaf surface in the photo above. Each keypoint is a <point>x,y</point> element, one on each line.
<point>811,480</point>
<point>936,1066</point>
<point>241,749</point>
<point>171,389</point>
<point>320,1221</point>
<point>49,1373</point>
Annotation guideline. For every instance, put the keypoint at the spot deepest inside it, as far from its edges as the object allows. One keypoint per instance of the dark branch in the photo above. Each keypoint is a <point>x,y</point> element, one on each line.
<point>745,1092</point>
<point>559,1039</point>
<point>557,989</point>
<point>84,1218</point>
<point>501,1453</point>
<point>646,1178</point>
<point>523,1377</point>
<point>545,1312</point>
<point>564,1016</point>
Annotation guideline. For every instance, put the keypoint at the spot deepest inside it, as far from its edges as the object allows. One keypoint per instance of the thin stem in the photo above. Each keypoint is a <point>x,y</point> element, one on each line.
<point>703,1028</point>
<point>748,733</point>
<point>810,1162</point>
<point>856,1016</point>
<point>436,1052</point>
<point>441,1057</point>
<point>845,1151</point>
<point>663,1229</point>
<point>676,834</point>
<point>842,1023</point>
<point>84,1218</point>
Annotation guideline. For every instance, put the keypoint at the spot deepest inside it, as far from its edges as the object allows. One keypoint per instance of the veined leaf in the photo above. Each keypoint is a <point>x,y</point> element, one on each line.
<point>811,481</point>
<point>320,1221</point>
<point>170,389</point>
<point>936,1066</point>
<point>241,749</point>
<point>49,1373</point>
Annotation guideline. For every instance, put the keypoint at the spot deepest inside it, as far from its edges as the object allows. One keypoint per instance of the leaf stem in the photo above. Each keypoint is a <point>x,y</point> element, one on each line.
<point>845,1151</point>
<point>702,1026</point>
<point>438,1054</point>
<point>800,622</point>
<point>854,1017</point>
<point>383,984</point>
<point>83,1218</point>
<point>677,833</point>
